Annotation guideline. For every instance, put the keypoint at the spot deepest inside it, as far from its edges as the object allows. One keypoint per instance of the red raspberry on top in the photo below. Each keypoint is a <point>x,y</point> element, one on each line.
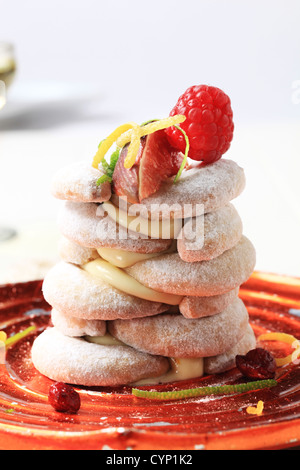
<point>208,123</point>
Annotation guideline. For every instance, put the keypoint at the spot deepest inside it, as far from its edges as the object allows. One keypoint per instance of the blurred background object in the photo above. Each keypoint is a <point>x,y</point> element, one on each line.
<point>2,94</point>
<point>5,232</point>
<point>7,63</point>
<point>83,67</point>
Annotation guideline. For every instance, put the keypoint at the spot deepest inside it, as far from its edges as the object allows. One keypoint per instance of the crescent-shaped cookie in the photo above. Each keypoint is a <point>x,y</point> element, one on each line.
<point>76,361</point>
<point>226,361</point>
<point>173,335</point>
<point>212,186</point>
<point>170,274</point>
<point>206,237</point>
<point>71,326</point>
<point>199,307</point>
<point>78,182</point>
<point>71,290</point>
<point>86,225</point>
<point>76,254</point>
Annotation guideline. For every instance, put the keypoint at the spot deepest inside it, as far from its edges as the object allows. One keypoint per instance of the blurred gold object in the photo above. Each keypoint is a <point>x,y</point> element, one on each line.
<point>6,233</point>
<point>2,94</point>
<point>7,63</point>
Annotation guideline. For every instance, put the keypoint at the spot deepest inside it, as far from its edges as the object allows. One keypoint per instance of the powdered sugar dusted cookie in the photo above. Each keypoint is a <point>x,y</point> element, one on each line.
<point>76,361</point>
<point>71,326</point>
<point>173,335</point>
<point>212,186</point>
<point>198,307</point>
<point>73,253</point>
<point>170,274</point>
<point>71,290</point>
<point>86,225</point>
<point>226,361</point>
<point>78,182</point>
<point>206,237</point>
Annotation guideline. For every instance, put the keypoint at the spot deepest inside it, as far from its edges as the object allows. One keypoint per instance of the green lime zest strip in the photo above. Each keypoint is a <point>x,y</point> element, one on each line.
<point>103,179</point>
<point>109,168</point>
<point>186,153</point>
<point>204,391</point>
<point>18,336</point>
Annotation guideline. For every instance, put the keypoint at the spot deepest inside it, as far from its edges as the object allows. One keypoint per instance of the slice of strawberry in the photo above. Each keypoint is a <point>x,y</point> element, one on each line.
<point>157,161</point>
<point>125,181</point>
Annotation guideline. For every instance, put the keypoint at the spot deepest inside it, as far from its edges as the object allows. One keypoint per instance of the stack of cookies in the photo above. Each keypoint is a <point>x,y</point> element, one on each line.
<point>130,307</point>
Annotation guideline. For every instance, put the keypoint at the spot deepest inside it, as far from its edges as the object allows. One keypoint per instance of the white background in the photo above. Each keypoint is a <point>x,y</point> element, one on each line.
<point>86,66</point>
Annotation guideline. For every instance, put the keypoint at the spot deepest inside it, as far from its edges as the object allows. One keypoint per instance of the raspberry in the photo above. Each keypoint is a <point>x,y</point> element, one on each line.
<point>64,398</point>
<point>208,123</point>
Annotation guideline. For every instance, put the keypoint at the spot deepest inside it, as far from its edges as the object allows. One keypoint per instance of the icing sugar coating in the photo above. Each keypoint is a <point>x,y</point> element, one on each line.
<point>170,274</point>
<point>173,335</point>
<point>85,225</point>
<point>209,237</point>
<point>199,307</point>
<point>213,185</point>
<point>76,254</point>
<point>226,361</point>
<point>78,362</point>
<point>77,182</point>
<point>71,326</point>
<point>71,290</point>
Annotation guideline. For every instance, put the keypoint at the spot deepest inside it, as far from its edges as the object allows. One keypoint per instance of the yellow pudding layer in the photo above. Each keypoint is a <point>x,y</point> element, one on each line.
<point>122,258</point>
<point>167,229</point>
<point>106,340</point>
<point>181,369</point>
<point>119,279</point>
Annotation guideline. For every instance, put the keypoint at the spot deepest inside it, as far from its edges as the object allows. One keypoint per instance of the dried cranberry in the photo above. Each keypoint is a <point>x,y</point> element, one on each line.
<point>64,398</point>
<point>257,364</point>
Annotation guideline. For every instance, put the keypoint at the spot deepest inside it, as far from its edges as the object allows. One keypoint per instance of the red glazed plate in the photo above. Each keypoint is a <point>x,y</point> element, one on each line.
<point>114,419</point>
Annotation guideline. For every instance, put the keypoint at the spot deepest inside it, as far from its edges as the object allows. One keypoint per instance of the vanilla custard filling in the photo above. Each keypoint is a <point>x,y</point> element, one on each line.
<point>125,259</point>
<point>180,368</point>
<point>167,229</point>
<point>119,279</point>
<point>106,340</point>
<point>122,258</point>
